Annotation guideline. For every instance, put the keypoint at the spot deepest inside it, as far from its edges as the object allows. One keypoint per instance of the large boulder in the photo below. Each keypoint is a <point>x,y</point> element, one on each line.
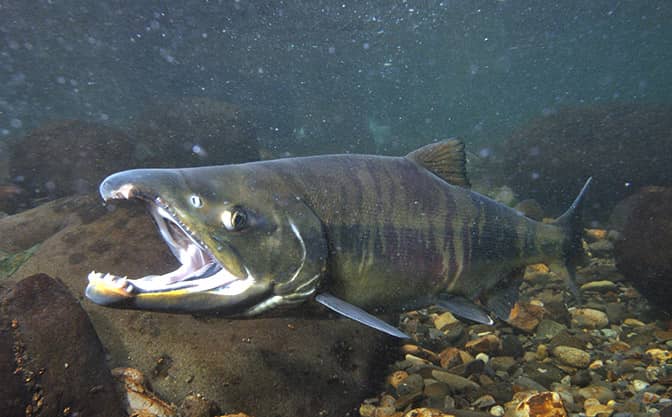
<point>55,364</point>
<point>623,147</point>
<point>643,250</point>
<point>194,131</point>
<point>308,363</point>
<point>67,157</point>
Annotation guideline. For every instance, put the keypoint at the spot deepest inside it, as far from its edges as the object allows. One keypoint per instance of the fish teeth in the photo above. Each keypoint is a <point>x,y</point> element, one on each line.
<point>112,280</point>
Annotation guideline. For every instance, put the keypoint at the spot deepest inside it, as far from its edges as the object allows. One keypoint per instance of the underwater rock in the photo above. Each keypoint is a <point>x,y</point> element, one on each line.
<point>66,158</point>
<point>543,404</point>
<point>623,147</point>
<point>572,356</point>
<point>55,352</point>
<point>643,251</point>
<point>589,318</point>
<point>304,364</point>
<point>24,230</point>
<point>194,131</point>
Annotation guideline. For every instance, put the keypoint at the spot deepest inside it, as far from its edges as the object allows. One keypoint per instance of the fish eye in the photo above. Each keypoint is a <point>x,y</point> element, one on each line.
<point>196,201</point>
<point>234,219</point>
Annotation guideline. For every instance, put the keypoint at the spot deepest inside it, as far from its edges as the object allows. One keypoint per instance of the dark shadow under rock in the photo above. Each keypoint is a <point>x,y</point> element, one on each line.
<point>623,147</point>
<point>643,250</point>
<point>55,352</point>
<point>306,363</point>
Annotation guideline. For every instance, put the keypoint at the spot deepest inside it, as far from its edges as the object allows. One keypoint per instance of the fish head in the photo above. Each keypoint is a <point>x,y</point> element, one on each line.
<point>245,246</point>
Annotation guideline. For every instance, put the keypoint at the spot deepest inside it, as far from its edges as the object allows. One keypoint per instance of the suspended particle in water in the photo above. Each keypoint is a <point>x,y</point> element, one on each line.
<point>485,152</point>
<point>198,150</point>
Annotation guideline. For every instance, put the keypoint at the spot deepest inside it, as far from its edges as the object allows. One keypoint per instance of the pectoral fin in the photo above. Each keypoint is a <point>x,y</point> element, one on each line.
<point>464,308</point>
<point>357,314</point>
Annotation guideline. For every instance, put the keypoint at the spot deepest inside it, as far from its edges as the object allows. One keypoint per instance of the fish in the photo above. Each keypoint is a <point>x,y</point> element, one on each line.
<point>359,234</point>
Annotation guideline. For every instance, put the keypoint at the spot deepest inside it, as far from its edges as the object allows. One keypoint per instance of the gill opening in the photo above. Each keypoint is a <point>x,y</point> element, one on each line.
<point>304,252</point>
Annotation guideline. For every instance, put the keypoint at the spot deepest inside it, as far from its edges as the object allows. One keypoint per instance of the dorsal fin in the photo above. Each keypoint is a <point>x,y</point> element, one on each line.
<point>445,159</point>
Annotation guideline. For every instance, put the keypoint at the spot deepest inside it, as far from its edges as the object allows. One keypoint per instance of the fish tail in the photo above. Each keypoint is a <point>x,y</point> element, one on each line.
<point>571,222</point>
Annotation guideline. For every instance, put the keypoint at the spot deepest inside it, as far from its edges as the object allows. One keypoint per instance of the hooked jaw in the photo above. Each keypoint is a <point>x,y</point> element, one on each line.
<point>201,283</point>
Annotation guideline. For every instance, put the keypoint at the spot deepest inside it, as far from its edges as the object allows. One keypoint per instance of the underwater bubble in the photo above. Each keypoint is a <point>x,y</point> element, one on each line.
<point>198,150</point>
<point>15,123</point>
<point>50,186</point>
<point>165,54</point>
<point>485,152</point>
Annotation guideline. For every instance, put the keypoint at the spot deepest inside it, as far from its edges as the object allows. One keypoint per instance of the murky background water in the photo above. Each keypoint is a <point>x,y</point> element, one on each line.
<point>544,94</point>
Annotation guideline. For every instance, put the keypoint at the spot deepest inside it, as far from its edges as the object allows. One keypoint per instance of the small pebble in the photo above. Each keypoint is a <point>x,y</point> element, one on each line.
<point>444,320</point>
<point>589,318</point>
<point>497,410</point>
<point>502,363</point>
<point>437,390</point>
<point>639,385</point>
<point>599,392</point>
<point>572,356</point>
<point>455,382</point>
<point>484,401</point>
<point>633,322</point>
<point>593,408</point>
<point>488,343</point>
<point>548,329</point>
<point>411,385</point>
<point>601,286</point>
<point>395,379</point>
<point>542,352</point>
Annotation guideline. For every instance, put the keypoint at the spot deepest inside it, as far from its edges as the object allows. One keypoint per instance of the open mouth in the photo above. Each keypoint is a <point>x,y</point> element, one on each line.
<point>199,270</point>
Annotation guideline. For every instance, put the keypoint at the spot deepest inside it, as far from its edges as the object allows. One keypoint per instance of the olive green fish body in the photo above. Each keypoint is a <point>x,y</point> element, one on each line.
<point>351,231</point>
<point>397,233</point>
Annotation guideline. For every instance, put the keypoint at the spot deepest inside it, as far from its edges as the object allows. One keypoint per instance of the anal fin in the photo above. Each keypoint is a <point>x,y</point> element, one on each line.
<point>355,313</point>
<point>464,308</point>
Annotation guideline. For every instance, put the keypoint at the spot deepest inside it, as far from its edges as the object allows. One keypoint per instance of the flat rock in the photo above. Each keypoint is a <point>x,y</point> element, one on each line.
<point>308,362</point>
<point>455,382</point>
<point>55,352</point>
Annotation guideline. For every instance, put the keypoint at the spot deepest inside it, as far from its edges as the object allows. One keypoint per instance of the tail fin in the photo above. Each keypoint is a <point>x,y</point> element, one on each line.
<point>572,223</point>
